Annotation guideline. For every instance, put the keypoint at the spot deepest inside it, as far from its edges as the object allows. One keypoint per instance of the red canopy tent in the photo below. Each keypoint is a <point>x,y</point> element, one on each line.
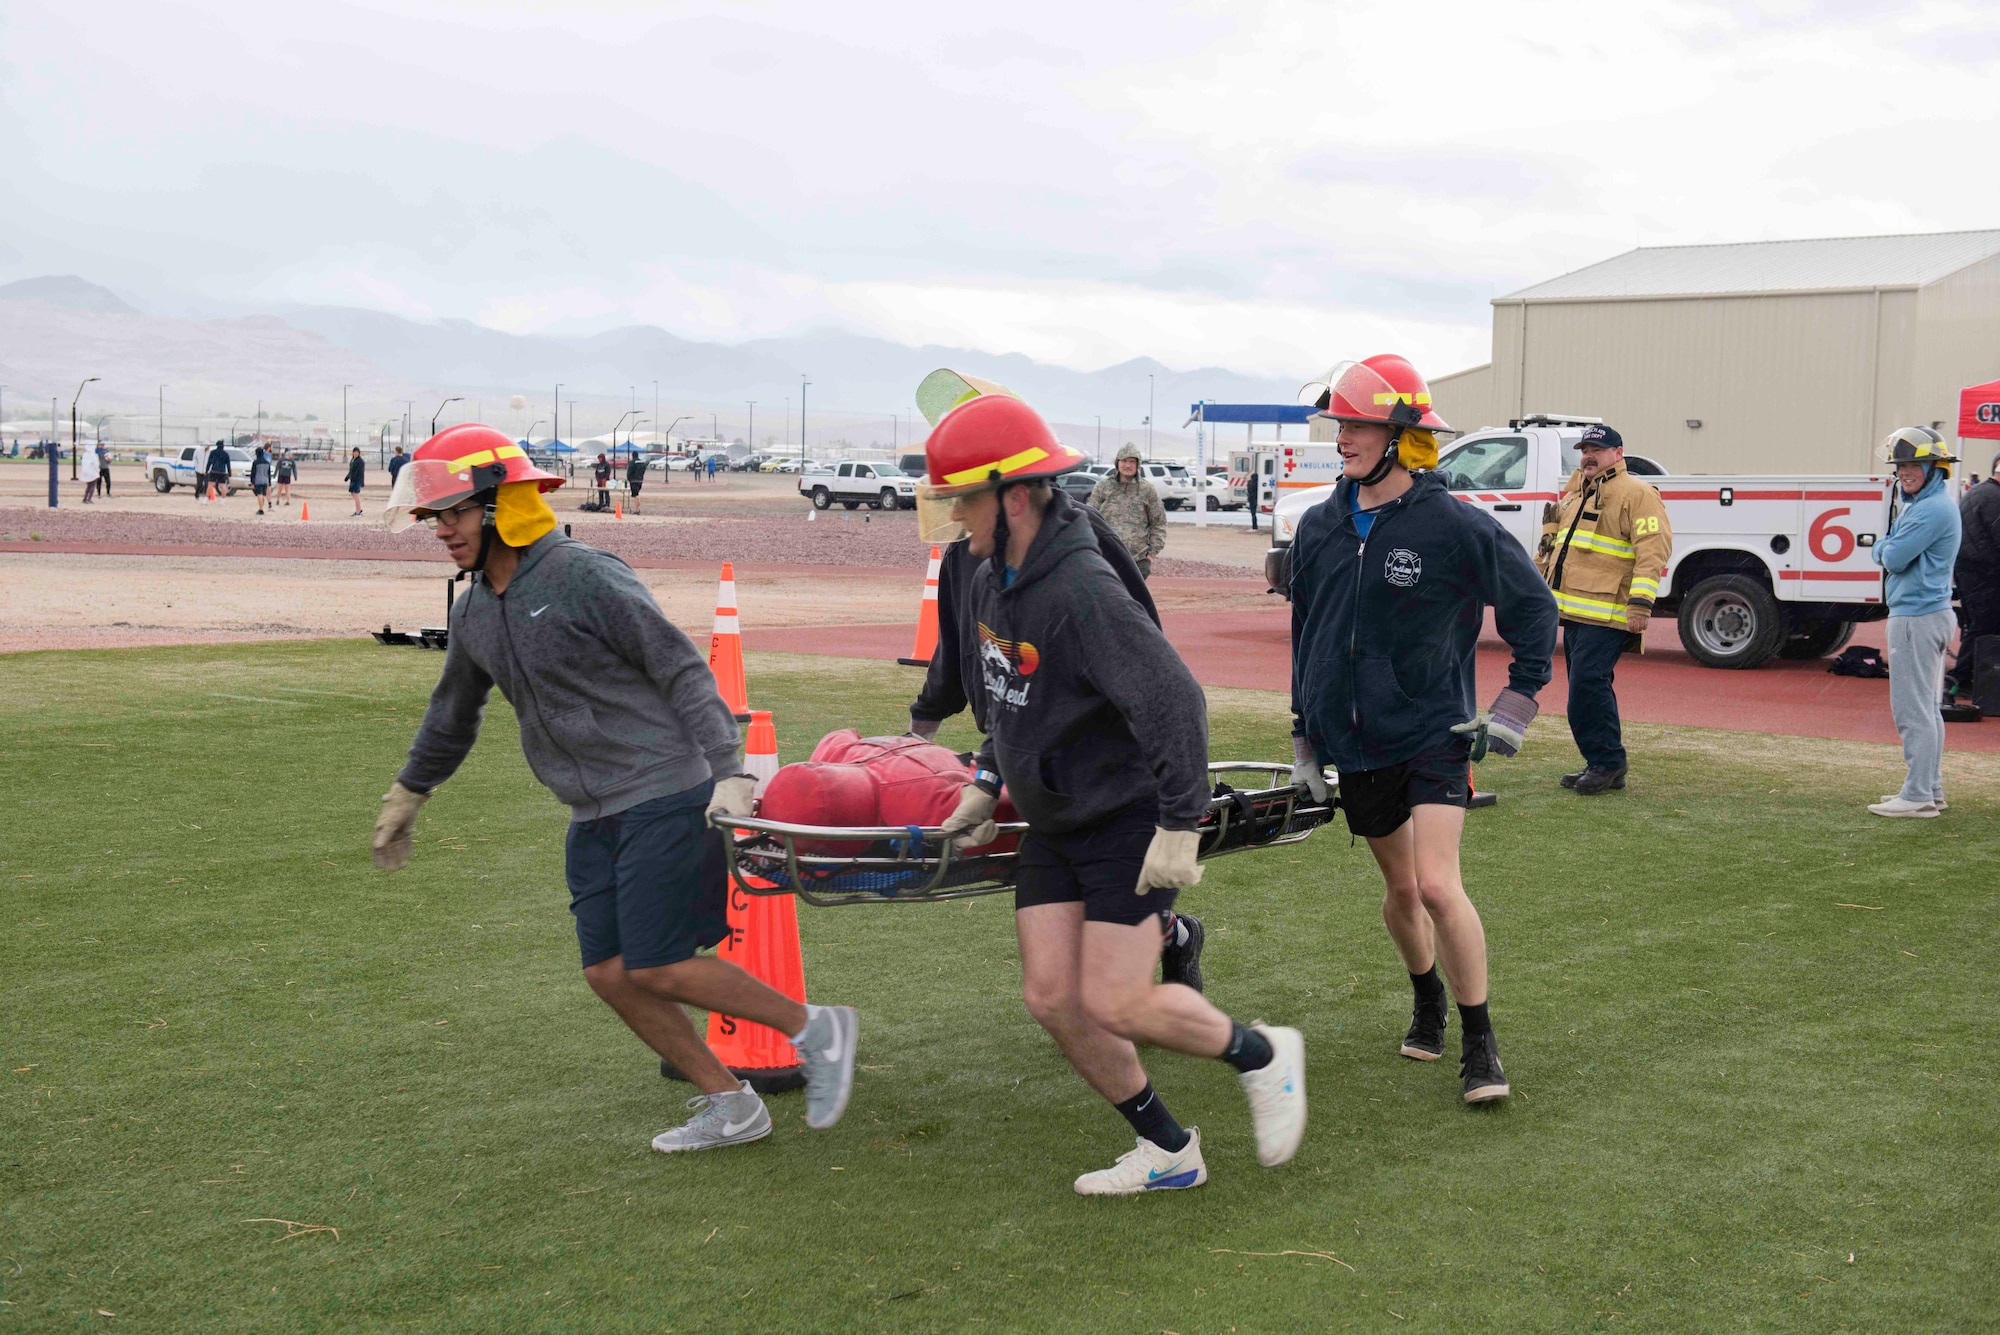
<point>1979,412</point>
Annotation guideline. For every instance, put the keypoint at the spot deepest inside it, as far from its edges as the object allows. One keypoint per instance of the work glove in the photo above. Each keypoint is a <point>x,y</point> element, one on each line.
<point>393,826</point>
<point>733,796</point>
<point>1638,618</point>
<point>1307,772</point>
<point>924,729</point>
<point>1503,727</point>
<point>972,822</point>
<point>1170,863</point>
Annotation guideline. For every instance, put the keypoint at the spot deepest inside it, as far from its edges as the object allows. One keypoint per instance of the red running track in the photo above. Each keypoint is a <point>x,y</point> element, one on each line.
<point>1252,649</point>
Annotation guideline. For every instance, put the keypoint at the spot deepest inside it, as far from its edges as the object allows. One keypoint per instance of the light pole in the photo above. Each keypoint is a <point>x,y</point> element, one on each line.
<point>1149,415</point>
<point>656,403</point>
<point>50,452</point>
<point>343,419</point>
<point>163,419</point>
<point>803,382</point>
<point>456,398</point>
<point>528,436</point>
<point>72,427</point>
<point>666,441</point>
<point>555,422</point>
<point>614,429</point>
<point>1099,451</point>
<point>750,432</point>
<point>260,421</point>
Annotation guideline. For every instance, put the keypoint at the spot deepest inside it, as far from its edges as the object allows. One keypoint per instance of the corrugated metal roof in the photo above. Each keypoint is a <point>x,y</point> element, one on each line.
<point>1772,266</point>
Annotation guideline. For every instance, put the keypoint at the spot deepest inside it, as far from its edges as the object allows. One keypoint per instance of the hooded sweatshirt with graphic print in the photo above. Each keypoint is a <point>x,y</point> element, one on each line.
<point>1087,709</point>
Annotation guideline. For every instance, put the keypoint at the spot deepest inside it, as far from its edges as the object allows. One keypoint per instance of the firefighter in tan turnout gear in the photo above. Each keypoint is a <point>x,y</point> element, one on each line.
<point>1605,547</point>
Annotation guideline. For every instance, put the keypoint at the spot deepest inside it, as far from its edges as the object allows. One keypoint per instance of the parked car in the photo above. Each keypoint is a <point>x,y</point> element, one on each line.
<point>183,467</point>
<point>879,486</point>
<point>1079,484</point>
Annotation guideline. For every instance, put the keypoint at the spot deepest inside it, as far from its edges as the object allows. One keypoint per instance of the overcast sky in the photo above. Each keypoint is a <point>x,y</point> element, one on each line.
<point>1267,187</point>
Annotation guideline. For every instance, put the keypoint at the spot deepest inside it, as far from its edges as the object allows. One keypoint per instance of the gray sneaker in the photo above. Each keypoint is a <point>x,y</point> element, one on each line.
<point>734,1118</point>
<point>826,1051</point>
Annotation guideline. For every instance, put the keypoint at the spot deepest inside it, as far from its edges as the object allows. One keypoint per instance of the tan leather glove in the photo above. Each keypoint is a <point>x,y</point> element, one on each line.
<point>1170,861</point>
<point>734,796</point>
<point>972,822</point>
<point>1637,619</point>
<point>394,825</point>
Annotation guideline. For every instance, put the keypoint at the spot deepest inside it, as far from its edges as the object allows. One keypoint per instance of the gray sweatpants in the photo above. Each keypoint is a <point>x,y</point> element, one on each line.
<point>1917,648</point>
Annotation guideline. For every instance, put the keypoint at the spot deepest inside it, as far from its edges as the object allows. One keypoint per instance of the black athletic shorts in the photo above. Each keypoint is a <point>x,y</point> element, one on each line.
<point>1378,801</point>
<point>1098,866</point>
<point>633,487</point>
<point>648,882</point>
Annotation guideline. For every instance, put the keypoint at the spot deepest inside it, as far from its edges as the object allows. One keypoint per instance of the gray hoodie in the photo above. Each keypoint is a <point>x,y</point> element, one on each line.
<point>616,704</point>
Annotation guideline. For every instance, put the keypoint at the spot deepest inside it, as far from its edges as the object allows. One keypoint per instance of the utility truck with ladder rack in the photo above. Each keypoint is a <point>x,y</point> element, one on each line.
<point>1764,565</point>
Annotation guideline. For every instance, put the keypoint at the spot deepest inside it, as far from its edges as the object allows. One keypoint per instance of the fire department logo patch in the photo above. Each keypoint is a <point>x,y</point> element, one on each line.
<point>1403,568</point>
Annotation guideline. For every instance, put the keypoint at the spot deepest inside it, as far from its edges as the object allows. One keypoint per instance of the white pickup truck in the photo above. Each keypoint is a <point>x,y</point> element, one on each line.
<point>879,486</point>
<point>1764,566</point>
<point>183,467</point>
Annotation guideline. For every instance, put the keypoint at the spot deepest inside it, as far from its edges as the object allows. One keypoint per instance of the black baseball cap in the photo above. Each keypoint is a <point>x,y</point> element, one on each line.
<point>1601,436</point>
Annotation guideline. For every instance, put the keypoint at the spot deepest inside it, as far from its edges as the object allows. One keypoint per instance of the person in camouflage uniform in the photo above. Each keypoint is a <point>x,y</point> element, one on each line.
<point>1132,507</point>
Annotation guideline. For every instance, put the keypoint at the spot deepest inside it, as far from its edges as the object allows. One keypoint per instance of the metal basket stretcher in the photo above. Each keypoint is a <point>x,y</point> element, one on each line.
<point>913,864</point>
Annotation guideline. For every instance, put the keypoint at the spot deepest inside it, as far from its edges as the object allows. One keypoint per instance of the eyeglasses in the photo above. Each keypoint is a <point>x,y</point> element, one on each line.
<point>451,516</point>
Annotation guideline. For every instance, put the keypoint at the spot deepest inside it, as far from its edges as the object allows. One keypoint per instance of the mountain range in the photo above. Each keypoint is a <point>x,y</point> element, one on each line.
<point>55,330</point>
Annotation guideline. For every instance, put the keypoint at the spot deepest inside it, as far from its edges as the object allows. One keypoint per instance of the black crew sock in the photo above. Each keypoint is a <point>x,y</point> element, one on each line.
<point>1428,985</point>
<point>1248,1050</point>
<point>1477,1023</point>
<point>1147,1112</point>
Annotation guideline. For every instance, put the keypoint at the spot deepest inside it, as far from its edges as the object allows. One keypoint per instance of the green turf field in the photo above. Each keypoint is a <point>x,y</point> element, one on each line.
<point>1744,1021</point>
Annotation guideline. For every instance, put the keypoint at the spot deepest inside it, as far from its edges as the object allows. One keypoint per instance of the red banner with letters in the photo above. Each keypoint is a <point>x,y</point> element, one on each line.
<point>1979,412</point>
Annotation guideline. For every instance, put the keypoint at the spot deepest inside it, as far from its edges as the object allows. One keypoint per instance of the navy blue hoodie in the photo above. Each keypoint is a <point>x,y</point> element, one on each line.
<point>1383,631</point>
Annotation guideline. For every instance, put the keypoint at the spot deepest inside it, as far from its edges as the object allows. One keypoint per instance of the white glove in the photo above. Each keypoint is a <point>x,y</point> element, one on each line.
<point>733,796</point>
<point>393,826</point>
<point>972,822</point>
<point>925,729</point>
<point>1307,772</point>
<point>1170,860</point>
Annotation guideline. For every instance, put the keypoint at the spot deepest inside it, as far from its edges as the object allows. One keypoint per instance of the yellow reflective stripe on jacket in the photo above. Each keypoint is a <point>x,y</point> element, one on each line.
<point>1602,542</point>
<point>1642,587</point>
<point>1591,608</point>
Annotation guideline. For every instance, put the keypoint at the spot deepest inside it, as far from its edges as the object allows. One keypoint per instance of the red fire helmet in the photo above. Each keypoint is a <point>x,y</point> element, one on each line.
<point>985,442</point>
<point>1385,389</point>
<point>455,465</point>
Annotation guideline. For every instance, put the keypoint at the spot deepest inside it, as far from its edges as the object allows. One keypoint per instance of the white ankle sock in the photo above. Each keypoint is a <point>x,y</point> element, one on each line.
<point>811,1011</point>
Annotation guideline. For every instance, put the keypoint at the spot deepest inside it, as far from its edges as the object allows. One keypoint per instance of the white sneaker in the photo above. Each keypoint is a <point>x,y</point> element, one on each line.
<point>1277,1094</point>
<point>736,1117</point>
<point>1896,806</point>
<point>1148,1168</point>
<point>1937,802</point>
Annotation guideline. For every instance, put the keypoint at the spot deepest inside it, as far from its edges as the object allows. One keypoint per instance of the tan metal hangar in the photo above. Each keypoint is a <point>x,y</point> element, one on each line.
<point>1769,356</point>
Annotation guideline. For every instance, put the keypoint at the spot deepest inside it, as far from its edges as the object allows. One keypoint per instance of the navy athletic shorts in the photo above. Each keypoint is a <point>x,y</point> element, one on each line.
<point>1099,866</point>
<point>1378,801</point>
<point>648,882</point>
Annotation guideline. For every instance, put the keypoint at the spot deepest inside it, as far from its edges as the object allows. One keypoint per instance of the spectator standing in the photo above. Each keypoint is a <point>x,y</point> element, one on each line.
<point>711,467</point>
<point>396,462</point>
<point>601,476</point>
<point>1917,554</point>
<point>287,469</point>
<point>1132,507</point>
<point>1978,575</point>
<point>86,471</point>
<point>218,473</point>
<point>260,477</point>
<point>103,469</point>
<point>357,474</point>
<point>635,478</point>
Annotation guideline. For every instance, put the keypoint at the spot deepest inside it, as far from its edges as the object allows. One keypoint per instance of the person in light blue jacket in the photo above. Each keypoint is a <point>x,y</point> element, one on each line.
<point>1916,556</point>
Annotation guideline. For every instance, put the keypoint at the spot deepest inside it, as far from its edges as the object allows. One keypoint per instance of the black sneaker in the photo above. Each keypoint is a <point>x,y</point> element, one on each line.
<point>1480,1065</point>
<point>1425,1041</point>
<point>1595,780</point>
<point>1569,780</point>
<point>1182,964</point>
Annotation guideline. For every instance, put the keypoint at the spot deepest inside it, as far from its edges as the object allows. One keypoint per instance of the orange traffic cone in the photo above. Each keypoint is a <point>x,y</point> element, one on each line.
<point>927,614</point>
<point>764,941</point>
<point>1474,799</point>
<point>618,508</point>
<point>725,648</point>
<point>305,511</point>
